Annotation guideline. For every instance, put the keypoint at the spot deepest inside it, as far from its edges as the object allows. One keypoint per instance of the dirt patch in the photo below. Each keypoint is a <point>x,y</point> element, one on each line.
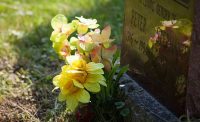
<point>17,109</point>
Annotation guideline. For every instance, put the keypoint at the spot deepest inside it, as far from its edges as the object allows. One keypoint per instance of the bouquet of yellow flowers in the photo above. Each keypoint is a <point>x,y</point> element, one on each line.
<point>88,53</point>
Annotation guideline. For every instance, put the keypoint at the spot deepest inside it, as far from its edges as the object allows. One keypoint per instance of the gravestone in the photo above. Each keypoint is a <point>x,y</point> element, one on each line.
<point>193,87</point>
<point>164,75</point>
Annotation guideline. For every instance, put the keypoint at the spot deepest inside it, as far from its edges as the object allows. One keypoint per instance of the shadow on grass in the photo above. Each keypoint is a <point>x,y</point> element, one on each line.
<point>37,57</point>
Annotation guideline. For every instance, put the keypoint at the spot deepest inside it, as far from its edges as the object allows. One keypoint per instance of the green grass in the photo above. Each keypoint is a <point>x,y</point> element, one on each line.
<point>27,60</point>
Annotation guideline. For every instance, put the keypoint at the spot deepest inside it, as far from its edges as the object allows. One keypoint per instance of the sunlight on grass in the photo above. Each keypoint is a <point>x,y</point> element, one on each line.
<point>19,18</point>
<point>25,49</point>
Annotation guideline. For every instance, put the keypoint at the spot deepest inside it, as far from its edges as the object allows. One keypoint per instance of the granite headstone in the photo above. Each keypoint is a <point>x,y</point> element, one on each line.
<point>166,75</point>
<point>193,86</point>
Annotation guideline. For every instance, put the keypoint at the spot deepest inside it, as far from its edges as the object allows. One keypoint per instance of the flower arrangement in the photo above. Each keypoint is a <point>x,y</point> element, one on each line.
<point>91,67</point>
<point>181,28</point>
<point>169,48</point>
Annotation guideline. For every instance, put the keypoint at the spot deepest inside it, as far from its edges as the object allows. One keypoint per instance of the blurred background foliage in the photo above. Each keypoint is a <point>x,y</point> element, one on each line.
<point>27,61</point>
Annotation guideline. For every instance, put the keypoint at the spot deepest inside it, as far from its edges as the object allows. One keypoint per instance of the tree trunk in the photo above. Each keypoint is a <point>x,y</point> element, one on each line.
<point>193,86</point>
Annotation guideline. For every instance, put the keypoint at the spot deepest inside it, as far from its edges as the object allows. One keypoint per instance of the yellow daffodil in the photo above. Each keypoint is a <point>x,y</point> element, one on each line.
<point>88,53</point>
<point>61,45</point>
<point>85,24</point>
<point>86,43</point>
<point>58,21</point>
<point>90,23</point>
<point>77,76</point>
<point>69,92</point>
<point>90,75</point>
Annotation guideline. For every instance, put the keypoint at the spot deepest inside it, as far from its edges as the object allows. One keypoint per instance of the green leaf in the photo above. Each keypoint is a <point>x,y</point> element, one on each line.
<point>112,72</point>
<point>124,112</point>
<point>115,57</point>
<point>119,105</point>
<point>123,70</point>
<point>58,21</point>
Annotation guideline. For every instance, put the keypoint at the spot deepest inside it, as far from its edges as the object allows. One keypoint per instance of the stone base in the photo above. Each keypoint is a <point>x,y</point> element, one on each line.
<point>145,108</point>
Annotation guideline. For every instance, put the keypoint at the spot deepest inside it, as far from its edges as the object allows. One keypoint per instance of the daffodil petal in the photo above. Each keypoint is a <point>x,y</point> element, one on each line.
<point>95,54</point>
<point>107,64</point>
<point>64,91</point>
<point>67,29</point>
<point>75,23</point>
<point>91,23</point>
<point>106,44</point>
<point>55,88</point>
<point>106,32</point>
<point>86,46</point>
<point>73,42</point>
<point>65,68</point>
<point>83,96</point>
<point>162,27</point>
<point>58,21</point>
<point>82,29</point>
<point>56,80</point>
<point>61,97</point>
<point>74,71</point>
<point>77,84</point>
<point>72,58</point>
<point>107,53</point>
<point>54,35</point>
<point>94,66</point>
<point>92,87</point>
<point>96,58</point>
<point>93,26</point>
<point>72,102</point>
<point>59,42</point>
<point>98,71</point>
<point>94,78</point>
<point>102,83</point>
<point>96,37</point>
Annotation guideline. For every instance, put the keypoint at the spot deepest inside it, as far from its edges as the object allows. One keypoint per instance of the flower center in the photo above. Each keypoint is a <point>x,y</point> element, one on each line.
<point>81,77</point>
